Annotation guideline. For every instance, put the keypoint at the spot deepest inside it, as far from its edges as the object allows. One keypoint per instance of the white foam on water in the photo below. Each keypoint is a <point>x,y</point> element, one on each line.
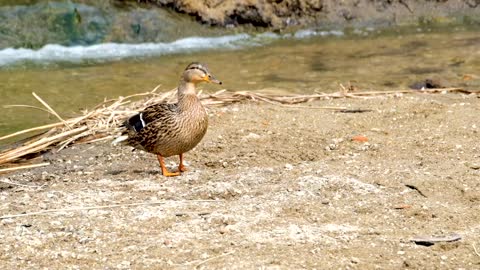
<point>311,33</point>
<point>116,51</point>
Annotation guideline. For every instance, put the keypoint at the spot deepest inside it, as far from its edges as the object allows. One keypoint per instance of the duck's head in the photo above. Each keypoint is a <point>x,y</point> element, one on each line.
<point>197,73</point>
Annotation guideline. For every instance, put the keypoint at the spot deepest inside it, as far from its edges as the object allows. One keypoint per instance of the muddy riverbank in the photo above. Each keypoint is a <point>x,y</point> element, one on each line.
<point>326,13</point>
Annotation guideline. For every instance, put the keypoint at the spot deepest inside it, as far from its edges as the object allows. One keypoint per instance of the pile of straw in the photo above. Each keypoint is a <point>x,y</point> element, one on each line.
<point>102,122</point>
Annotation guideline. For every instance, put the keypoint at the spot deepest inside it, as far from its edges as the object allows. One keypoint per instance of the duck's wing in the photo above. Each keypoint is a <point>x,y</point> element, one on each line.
<point>146,128</point>
<point>150,114</point>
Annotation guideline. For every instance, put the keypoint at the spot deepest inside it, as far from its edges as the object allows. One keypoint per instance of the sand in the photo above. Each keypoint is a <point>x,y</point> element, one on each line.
<point>269,187</point>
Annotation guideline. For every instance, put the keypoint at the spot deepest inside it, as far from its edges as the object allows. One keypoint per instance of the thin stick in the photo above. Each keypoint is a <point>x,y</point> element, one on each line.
<point>42,143</point>
<point>430,90</point>
<point>156,88</point>
<point>24,167</point>
<point>104,206</point>
<point>71,139</point>
<point>312,107</point>
<point>51,110</point>
<point>81,118</point>
<point>20,185</point>
<point>130,96</point>
<point>24,152</point>
<point>26,106</point>
<point>475,249</point>
<point>213,258</point>
<point>31,129</point>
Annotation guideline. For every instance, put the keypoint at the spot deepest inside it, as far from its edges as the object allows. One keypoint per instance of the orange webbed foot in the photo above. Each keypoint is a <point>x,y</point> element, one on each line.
<point>165,171</point>
<point>170,174</point>
<point>182,168</point>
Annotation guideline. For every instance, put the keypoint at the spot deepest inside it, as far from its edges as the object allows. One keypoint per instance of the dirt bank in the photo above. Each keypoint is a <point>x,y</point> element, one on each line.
<point>272,187</point>
<point>279,14</point>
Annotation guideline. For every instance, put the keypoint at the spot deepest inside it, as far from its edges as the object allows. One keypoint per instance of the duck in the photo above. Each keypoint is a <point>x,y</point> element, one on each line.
<point>170,129</point>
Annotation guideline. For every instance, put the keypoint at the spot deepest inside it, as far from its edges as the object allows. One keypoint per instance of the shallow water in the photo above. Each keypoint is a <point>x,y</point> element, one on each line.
<point>318,63</point>
<point>35,23</point>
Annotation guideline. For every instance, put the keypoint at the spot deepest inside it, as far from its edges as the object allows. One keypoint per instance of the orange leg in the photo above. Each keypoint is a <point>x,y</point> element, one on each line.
<point>181,168</point>
<point>165,172</point>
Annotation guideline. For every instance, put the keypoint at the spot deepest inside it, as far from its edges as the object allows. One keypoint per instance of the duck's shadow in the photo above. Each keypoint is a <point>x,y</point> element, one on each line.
<point>151,172</point>
<point>117,172</point>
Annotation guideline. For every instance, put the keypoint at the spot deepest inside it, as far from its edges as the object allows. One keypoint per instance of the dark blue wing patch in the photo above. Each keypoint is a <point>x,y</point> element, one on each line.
<point>136,122</point>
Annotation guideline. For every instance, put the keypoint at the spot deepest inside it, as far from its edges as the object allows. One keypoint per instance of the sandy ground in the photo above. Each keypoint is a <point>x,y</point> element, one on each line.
<point>268,188</point>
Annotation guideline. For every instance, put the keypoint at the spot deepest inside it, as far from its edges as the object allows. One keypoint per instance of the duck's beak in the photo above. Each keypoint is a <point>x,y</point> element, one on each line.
<point>211,79</point>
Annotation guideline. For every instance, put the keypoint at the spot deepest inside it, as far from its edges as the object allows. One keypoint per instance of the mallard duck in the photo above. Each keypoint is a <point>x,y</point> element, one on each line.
<point>167,129</point>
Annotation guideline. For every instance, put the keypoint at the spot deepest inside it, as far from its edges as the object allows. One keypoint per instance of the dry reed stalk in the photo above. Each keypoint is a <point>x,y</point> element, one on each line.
<point>36,146</point>
<point>31,130</point>
<point>72,139</point>
<point>213,258</point>
<point>35,138</point>
<point>26,106</point>
<point>24,167</point>
<point>52,111</point>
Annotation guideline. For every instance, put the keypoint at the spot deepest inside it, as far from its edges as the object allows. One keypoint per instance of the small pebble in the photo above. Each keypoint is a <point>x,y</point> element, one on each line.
<point>84,240</point>
<point>253,136</point>
<point>7,221</point>
<point>331,146</point>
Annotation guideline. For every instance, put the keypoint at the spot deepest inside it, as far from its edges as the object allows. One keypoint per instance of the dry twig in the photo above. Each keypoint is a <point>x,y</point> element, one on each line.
<point>24,167</point>
<point>20,185</point>
<point>51,110</point>
<point>475,249</point>
<point>213,258</point>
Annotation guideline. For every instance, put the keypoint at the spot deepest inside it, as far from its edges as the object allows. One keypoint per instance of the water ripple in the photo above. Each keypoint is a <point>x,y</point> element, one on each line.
<point>115,51</point>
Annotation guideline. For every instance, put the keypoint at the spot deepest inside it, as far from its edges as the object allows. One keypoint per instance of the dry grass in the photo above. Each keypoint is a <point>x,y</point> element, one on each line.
<point>102,122</point>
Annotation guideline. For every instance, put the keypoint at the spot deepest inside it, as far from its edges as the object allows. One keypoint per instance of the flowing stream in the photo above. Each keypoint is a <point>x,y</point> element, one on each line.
<point>77,72</point>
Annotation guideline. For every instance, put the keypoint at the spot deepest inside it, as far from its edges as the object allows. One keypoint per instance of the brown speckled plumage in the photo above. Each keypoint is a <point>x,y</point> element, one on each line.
<point>172,129</point>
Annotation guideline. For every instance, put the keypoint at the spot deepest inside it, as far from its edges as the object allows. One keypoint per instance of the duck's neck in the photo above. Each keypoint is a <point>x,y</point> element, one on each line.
<point>187,97</point>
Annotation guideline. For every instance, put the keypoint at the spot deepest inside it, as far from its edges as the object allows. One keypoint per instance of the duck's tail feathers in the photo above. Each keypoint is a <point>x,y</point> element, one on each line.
<point>130,126</point>
<point>120,139</point>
